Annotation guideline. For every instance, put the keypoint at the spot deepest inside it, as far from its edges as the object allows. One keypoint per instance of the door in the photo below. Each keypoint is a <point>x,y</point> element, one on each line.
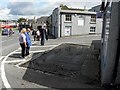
<point>67,30</point>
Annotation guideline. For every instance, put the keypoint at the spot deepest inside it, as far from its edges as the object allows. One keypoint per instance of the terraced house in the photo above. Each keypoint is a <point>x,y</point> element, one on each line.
<point>68,21</point>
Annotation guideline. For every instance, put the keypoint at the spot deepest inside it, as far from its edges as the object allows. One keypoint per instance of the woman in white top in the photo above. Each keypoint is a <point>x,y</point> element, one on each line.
<point>38,35</point>
<point>22,41</point>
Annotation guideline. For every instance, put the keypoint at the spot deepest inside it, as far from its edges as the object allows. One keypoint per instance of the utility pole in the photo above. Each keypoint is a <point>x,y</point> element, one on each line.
<point>104,9</point>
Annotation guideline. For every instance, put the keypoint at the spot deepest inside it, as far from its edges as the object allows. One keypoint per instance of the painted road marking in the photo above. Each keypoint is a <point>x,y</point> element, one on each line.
<point>3,75</point>
<point>14,61</point>
<point>31,51</point>
<point>45,46</point>
<point>1,57</point>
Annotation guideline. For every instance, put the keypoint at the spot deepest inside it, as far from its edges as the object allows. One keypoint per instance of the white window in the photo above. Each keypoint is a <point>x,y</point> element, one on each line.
<point>93,19</point>
<point>68,17</point>
<point>92,29</point>
<point>81,21</point>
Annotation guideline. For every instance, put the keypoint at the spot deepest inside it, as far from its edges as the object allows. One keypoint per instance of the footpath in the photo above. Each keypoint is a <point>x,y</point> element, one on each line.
<point>68,62</point>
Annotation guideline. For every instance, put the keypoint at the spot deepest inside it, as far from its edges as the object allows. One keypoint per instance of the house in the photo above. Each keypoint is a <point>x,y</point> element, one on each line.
<point>41,21</point>
<point>49,24</point>
<point>30,22</point>
<point>68,21</point>
<point>97,9</point>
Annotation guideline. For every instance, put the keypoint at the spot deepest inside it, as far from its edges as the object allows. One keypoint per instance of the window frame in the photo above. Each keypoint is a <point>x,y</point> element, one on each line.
<point>68,18</point>
<point>92,29</point>
<point>93,19</point>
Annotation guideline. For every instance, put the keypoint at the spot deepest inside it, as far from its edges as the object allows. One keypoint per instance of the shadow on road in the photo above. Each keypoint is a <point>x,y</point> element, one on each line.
<point>66,66</point>
<point>15,55</point>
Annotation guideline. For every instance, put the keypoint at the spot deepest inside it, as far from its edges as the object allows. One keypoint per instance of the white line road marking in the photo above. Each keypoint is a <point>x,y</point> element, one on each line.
<point>45,46</point>
<point>3,75</point>
<point>31,51</point>
<point>1,57</point>
<point>17,65</point>
<point>14,61</point>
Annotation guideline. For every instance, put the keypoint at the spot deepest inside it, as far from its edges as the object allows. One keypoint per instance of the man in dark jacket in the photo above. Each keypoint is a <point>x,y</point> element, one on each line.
<point>42,34</point>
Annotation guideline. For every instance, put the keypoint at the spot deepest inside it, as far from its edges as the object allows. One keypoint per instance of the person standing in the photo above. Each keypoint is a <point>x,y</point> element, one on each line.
<point>38,35</point>
<point>42,34</point>
<point>34,34</point>
<point>46,32</point>
<point>28,41</point>
<point>22,41</point>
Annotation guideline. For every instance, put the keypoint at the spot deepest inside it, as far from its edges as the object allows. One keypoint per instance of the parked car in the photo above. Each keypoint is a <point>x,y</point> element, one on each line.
<point>5,32</point>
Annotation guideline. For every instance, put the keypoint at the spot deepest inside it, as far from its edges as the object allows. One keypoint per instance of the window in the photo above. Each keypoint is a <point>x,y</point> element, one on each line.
<point>68,17</point>
<point>92,29</point>
<point>81,21</point>
<point>93,19</point>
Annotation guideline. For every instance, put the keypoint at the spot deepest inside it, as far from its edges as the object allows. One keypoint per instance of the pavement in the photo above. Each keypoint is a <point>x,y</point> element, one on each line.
<point>68,62</point>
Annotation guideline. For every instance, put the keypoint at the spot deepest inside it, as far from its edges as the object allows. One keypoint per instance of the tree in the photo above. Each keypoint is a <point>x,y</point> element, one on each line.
<point>21,20</point>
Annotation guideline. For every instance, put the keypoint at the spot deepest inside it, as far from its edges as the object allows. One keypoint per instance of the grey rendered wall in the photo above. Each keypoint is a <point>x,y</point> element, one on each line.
<point>88,24</point>
<point>55,23</point>
<point>79,30</point>
<point>99,22</point>
<point>63,24</point>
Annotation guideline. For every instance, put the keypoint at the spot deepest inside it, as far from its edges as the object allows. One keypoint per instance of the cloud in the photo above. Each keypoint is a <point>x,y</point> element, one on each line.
<point>74,1</point>
<point>4,13</point>
<point>21,8</point>
<point>30,8</point>
<point>41,7</point>
<point>21,0</point>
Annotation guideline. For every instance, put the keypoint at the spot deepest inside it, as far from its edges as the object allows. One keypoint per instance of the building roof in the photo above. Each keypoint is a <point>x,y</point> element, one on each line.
<point>97,8</point>
<point>66,9</point>
<point>30,20</point>
<point>42,19</point>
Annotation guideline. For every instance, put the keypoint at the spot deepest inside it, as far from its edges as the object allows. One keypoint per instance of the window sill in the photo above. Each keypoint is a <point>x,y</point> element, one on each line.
<point>68,21</point>
<point>91,32</point>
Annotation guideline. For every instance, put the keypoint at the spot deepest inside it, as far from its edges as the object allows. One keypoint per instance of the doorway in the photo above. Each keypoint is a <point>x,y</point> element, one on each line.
<point>67,31</point>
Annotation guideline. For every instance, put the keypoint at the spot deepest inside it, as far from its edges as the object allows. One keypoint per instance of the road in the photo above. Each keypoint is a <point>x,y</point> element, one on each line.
<point>9,44</point>
<point>7,47</point>
<point>12,74</point>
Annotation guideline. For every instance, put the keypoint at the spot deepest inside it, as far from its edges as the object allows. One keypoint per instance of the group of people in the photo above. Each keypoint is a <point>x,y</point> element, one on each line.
<point>40,34</point>
<point>25,42</point>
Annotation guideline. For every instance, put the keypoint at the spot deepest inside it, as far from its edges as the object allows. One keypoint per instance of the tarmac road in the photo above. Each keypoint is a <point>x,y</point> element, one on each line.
<point>14,74</point>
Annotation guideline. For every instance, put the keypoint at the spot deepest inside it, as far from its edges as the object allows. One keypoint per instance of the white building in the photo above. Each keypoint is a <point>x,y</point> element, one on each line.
<point>67,22</point>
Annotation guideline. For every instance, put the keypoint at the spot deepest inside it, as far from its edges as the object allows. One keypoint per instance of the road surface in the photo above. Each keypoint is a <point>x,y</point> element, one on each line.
<point>13,74</point>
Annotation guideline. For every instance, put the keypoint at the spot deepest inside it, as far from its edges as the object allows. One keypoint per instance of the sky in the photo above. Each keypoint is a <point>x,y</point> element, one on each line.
<point>14,9</point>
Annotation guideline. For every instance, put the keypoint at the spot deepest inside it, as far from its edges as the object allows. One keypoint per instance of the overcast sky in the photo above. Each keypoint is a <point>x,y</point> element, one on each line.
<point>14,9</point>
